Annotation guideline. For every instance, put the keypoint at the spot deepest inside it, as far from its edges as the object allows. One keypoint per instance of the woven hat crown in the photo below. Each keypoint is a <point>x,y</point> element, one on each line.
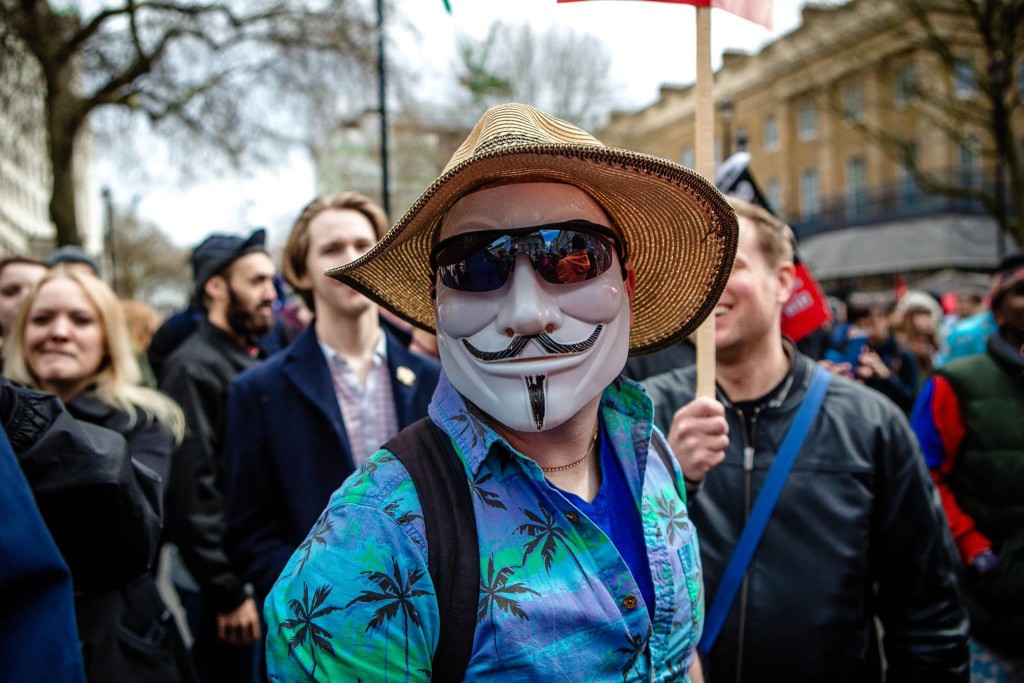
<point>514,126</point>
<point>680,232</point>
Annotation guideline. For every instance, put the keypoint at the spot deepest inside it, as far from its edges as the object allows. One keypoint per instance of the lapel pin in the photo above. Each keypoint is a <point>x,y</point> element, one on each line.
<point>405,375</point>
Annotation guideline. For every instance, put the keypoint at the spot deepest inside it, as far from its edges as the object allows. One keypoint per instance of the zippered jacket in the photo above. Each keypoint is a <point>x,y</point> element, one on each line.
<point>857,533</point>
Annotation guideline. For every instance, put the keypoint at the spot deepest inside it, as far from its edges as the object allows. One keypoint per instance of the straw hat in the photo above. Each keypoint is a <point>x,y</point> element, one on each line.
<point>679,232</point>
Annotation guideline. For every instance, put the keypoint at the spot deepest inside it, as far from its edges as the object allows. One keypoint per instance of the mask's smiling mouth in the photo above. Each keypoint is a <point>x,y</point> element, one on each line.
<point>518,344</point>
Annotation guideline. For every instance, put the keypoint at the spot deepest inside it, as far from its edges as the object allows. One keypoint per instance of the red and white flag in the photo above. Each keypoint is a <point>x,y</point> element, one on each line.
<point>757,11</point>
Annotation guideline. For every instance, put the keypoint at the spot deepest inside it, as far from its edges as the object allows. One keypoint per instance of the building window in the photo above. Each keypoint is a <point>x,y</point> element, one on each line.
<point>910,192</point>
<point>688,159</point>
<point>966,82</point>
<point>856,185</point>
<point>773,193</point>
<point>810,200</point>
<point>853,103</point>
<point>771,134</point>
<point>807,122</point>
<point>970,163</point>
<point>904,87</point>
<point>741,140</point>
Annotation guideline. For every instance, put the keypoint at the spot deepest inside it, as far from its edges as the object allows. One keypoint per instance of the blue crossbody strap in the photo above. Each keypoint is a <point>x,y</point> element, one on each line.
<point>763,507</point>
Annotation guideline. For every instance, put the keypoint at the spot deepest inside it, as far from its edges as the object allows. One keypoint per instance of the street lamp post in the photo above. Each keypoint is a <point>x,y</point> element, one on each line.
<point>382,92</point>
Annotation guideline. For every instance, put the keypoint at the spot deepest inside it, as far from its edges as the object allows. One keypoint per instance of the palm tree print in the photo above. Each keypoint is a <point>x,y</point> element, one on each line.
<point>491,596</point>
<point>316,535</point>
<point>405,518</point>
<point>397,592</point>
<point>674,516</point>
<point>486,497</point>
<point>306,614</point>
<point>547,535</point>
<point>636,647</point>
<point>477,431</point>
<point>369,468</point>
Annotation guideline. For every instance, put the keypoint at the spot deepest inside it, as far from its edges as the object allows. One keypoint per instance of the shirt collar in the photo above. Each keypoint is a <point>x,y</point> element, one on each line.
<point>380,352</point>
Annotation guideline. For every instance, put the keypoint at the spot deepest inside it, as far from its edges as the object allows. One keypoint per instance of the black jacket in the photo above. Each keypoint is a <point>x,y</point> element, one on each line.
<point>857,533</point>
<point>102,508</point>
<point>197,376</point>
<point>128,634</point>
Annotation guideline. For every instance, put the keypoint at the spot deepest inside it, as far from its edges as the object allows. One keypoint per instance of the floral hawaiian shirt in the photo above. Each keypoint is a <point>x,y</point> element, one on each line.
<point>557,602</point>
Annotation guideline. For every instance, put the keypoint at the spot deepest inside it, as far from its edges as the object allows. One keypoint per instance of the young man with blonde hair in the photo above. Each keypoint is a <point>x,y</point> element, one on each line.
<point>300,423</point>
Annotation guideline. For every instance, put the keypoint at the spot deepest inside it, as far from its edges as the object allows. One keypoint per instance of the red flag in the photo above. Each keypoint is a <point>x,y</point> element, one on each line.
<point>757,11</point>
<point>807,308</point>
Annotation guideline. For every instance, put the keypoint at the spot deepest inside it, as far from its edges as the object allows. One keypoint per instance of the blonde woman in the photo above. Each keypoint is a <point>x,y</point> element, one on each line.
<point>70,339</point>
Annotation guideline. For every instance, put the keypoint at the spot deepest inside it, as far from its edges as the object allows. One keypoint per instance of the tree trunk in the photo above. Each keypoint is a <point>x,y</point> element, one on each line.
<point>62,200</point>
<point>62,123</point>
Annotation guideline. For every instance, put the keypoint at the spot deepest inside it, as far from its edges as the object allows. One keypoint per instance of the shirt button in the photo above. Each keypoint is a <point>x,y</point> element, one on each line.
<point>572,517</point>
<point>629,602</point>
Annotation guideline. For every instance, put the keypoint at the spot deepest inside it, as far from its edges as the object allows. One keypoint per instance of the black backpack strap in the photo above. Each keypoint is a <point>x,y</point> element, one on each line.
<point>453,556</point>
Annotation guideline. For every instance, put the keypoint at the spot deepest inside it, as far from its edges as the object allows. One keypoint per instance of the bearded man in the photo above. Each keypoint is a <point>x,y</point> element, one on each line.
<point>588,563</point>
<point>234,280</point>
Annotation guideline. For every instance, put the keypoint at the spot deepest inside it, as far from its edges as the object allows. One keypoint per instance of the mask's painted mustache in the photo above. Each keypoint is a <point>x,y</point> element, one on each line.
<point>547,343</point>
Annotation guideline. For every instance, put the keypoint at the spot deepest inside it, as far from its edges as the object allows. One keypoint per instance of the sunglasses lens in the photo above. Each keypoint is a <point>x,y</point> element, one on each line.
<point>481,262</point>
<point>481,270</point>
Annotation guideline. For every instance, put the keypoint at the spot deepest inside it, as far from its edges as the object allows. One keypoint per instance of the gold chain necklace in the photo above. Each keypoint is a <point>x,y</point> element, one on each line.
<point>590,449</point>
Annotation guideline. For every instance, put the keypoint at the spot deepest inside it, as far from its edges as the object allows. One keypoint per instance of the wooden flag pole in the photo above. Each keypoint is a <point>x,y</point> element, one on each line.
<point>704,146</point>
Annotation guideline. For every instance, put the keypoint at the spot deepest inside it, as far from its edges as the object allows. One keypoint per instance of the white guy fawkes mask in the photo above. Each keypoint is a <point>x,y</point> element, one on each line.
<point>532,353</point>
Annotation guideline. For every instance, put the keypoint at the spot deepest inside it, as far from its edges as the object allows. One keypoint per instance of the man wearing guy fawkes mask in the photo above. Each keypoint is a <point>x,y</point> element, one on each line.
<point>542,259</point>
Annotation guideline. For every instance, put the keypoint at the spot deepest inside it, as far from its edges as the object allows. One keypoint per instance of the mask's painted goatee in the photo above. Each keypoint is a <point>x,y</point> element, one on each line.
<point>538,399</point>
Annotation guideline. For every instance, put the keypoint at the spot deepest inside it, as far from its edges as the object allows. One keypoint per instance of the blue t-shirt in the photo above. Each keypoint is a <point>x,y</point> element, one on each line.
<point>615,513</point>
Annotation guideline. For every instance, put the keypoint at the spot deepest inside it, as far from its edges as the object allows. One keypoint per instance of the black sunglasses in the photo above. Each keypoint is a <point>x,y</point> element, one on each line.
<point>561,253</point>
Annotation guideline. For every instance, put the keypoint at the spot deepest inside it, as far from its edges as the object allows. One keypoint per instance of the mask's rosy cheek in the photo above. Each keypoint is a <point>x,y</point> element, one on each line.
<point>463,314</point>
<point>596,301</point>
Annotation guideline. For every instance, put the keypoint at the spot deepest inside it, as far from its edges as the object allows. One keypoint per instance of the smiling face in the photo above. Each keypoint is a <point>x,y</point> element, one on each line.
<point>749,313</point>
<point>64,341</point>
<point>532,353</point>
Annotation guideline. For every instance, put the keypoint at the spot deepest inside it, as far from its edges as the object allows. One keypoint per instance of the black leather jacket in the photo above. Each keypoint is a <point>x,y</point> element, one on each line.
<point>857,533</point>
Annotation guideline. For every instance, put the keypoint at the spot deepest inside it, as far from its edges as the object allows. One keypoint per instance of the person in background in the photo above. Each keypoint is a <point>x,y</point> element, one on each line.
<point>74,258</point>
<point>302,422</point>
<point>856,539</point>
<point>17,275</point>
<point>916,330</point>
<point>969,418</point>
<point>143,322</point>
<point>70,339</point>
<point>883,363</point>
<point>234,283</point>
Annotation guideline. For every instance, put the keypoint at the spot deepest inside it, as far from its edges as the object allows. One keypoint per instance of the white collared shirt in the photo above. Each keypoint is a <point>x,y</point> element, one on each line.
<point>368,410</point>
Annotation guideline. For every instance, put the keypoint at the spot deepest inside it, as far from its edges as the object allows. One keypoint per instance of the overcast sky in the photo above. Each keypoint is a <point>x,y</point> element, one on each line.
<point>650,43</point>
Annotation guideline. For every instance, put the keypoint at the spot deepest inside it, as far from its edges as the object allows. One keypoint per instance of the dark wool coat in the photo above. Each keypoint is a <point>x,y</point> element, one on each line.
<point>286,450</point>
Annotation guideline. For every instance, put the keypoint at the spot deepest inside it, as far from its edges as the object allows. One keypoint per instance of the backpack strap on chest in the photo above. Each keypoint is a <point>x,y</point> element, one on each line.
<point>453,555</point>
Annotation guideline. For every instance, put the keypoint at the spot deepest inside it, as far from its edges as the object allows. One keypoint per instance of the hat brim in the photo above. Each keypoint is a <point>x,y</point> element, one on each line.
<point>680,233</point>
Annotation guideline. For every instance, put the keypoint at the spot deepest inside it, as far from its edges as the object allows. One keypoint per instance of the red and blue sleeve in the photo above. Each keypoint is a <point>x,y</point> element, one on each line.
<point>939,425</point>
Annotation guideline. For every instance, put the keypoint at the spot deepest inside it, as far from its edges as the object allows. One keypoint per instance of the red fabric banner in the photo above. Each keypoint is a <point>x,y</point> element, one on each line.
<point>757,11</point>
<point>807,308</point>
